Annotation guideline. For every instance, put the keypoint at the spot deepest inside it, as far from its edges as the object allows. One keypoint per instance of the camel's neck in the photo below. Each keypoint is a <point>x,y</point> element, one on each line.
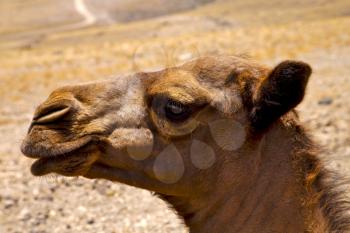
<point>268,198</point>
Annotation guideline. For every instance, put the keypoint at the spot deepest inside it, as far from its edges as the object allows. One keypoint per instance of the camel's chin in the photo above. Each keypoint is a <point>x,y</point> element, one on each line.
<point>71,164</point>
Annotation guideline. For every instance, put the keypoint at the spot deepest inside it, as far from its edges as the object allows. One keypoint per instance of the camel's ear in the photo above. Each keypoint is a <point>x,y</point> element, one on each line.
<point>281,91</point>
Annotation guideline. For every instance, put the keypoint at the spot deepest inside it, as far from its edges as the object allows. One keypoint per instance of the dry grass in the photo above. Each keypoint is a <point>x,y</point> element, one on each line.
<point>25,16</point>
<point>51,64</point>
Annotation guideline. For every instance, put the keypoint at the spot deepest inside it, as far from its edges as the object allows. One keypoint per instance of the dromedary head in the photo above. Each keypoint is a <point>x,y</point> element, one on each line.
<point>215,137</point>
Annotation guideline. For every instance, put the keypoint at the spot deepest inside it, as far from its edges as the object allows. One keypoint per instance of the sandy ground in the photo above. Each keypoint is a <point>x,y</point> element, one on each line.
<point>57,204</point>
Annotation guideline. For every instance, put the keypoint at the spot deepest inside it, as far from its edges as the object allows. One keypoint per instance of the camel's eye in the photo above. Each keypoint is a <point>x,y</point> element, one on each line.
<point>176,111</point>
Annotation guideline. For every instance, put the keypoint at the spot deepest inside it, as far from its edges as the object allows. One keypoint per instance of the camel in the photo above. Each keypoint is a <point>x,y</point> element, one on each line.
<point>218,138</point>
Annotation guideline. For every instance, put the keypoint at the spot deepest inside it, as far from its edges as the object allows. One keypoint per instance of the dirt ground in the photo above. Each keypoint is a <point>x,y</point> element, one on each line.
<point>313,31</point>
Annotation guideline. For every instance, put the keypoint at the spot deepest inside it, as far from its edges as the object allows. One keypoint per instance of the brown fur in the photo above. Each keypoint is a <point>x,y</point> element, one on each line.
<point>266,174</point>
<point>325,190</point>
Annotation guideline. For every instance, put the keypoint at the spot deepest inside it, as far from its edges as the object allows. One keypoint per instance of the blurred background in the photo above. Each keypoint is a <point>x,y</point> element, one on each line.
<point>45,44</point>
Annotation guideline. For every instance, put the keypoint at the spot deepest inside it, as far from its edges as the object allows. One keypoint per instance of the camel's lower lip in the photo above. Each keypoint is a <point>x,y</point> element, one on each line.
<point>69,164</point>
<point>39,167</point>
<point>43,166</point>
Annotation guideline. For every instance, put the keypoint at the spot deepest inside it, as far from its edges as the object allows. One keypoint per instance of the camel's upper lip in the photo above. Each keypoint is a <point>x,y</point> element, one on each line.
<point>43,150</point>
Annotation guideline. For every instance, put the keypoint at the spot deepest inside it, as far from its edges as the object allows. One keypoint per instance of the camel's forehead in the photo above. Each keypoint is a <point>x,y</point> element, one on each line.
<point>213,79</point>
<point>210,70</point>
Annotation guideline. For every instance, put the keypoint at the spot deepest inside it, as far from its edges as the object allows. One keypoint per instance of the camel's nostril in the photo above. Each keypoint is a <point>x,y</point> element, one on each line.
<point>50,115</point>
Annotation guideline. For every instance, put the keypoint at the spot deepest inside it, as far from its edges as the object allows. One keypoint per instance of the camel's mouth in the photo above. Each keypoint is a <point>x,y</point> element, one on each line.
<point>70,158</point>
<point>74,163</point>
